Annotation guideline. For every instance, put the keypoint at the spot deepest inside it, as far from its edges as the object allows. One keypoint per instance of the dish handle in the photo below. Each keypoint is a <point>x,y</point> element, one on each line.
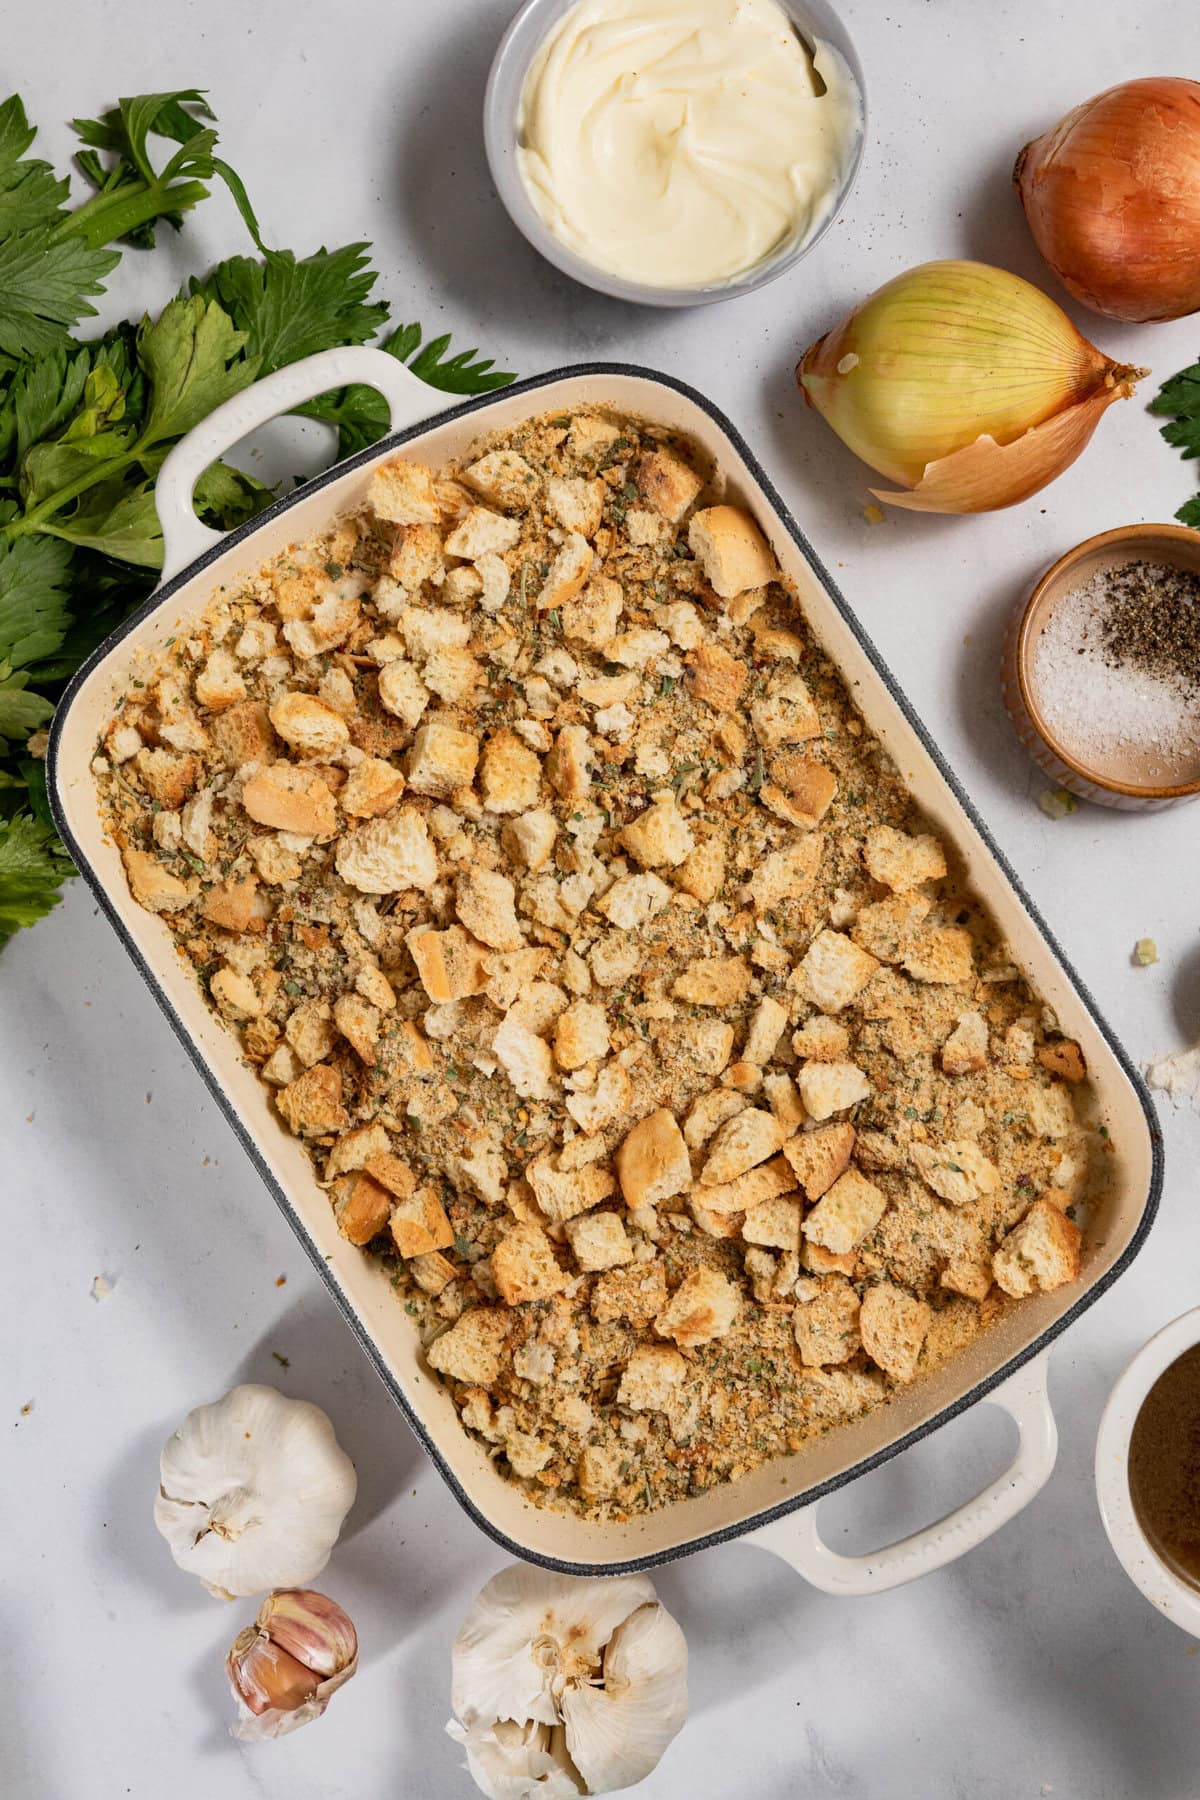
<point>185,537</point>
<point>797,1540</point>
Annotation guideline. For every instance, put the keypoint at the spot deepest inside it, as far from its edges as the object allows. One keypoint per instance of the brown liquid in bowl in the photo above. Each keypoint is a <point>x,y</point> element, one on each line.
<point>1164,1466</point>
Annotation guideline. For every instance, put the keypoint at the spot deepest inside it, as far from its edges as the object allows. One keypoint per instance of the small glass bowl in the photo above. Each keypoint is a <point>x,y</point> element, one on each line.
<point>501,109</point>
<point>1125,789</point>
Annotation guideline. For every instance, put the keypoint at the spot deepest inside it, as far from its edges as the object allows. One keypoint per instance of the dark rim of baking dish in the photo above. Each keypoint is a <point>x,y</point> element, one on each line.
<point>726,1534</point>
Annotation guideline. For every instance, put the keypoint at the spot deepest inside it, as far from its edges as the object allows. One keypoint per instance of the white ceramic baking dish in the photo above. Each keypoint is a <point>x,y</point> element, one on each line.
<point>1005,1365</point>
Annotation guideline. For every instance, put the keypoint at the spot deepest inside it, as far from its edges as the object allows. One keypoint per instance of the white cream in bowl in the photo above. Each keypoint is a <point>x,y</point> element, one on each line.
<point>679,143</point>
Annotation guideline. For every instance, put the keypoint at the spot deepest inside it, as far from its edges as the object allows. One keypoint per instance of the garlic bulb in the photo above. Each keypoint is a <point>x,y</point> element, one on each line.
<point>562,1686</point>
<point>284,1668</point>
<point>253,1491</point>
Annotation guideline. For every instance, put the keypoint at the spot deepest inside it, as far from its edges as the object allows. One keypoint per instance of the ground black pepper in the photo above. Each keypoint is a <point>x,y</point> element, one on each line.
<point>1151,621</point>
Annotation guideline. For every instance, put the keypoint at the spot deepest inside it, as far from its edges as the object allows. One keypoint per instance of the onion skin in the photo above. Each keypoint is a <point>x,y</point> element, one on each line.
<point>1112,196</point>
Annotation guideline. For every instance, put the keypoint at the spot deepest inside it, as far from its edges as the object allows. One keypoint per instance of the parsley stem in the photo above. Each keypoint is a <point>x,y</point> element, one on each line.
<point>32,521</point>
<point>113,214</point>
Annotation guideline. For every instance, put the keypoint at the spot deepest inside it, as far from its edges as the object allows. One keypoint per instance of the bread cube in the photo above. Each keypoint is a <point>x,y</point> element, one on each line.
<point>288,798</point>
<point>704,1306</point>
<point>485,902</point>
<point>731,550</point>
<point>361,1207</point>
<point>901,862</point>
<point>503,478</point>
<point>846,1213</point>
<point>402,492</point>
<point>744,1192</point>
<point>651,1378</point>
<point>702,873</point>
<point>442,758</point>
<point>419,1224</point>
<point>828,1088</point>
<point>598,1240</point>
<point>570,569</point>
<point>565,1193</point>
<point>652,1163</point>
<point>1041,1252</point>
<point>714,981</point>
<point>957,1170</point>
<point>607,1102</point>
<point>826,1323</point>
<point>472,1348</point>
<point>577,504</point>
<point>373,787</point>
<point>510,775</point>
<point>659,837</point>
<point>894,1325</point>
<point>821,1039</point>
<point>887,928</point>
<point>786,874</point>
<point>631,902</point>
<point>773,1222</point>
<point>944,955</point>
<point>817,1158</point>
<point>666,483</point>
<point>311,1106</point>
<point>580,1035</point>
<point>786,714</point>
<point>524,1266</point>
<point>741,1144</point>
<point>833,970</point>
<point>388,854</point>
<point>402,692</point>
<point>715,676</point>
<point>481,532</point>
<point>800,790</point>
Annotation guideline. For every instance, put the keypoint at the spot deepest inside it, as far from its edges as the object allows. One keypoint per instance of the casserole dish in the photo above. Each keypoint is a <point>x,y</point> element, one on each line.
<point>1002,1364</point>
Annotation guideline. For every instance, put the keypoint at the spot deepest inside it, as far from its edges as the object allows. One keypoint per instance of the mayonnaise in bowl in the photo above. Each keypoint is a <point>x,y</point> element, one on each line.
<point>681,143</point>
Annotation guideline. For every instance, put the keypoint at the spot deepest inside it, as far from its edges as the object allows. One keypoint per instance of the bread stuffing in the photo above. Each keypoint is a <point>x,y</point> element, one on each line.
<point>594,951</point>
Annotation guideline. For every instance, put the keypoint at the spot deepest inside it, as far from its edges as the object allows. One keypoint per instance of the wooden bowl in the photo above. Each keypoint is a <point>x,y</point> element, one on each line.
<point>1122,779</point>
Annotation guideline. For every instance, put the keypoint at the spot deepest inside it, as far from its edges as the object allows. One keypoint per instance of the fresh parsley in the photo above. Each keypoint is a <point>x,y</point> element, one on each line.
<point>85,424</point>
<point>1179,401</point>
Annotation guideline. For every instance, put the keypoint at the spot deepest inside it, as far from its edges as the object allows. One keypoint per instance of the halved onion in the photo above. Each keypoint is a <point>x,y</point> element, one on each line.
<point>964,384</point>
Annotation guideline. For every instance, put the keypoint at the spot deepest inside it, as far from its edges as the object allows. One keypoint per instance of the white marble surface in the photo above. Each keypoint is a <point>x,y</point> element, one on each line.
<point>1030,1668</point>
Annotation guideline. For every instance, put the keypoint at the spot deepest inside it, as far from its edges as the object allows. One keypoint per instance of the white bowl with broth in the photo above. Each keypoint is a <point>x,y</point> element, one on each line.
<point>1143,1461</point>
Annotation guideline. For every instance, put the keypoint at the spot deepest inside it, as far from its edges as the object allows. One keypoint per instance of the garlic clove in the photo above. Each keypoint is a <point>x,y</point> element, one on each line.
<point>508,1761</point>
<point>312,1627</point>
<point>617,1731</point>
<point>253,1492</point>
<point>528,1633</point>
<point>285,1668</point>
<point>265,1676</point>
<point>987,476</point>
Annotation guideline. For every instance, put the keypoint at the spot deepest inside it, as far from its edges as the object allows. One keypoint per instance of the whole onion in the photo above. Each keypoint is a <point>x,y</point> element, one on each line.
<point>1112,195</point>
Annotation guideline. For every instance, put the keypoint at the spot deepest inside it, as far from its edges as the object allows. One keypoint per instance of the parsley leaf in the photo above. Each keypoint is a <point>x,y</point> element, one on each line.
<point>290,308</point>
<point>118,517</point>
<point>44,287</point>
<point>32,866</point>
<point>361,414</point>
<point>189,354</point>
<point>33,601</point>
<point>21,710</point>
<point>1179,400</point>
<point>30,193</point>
